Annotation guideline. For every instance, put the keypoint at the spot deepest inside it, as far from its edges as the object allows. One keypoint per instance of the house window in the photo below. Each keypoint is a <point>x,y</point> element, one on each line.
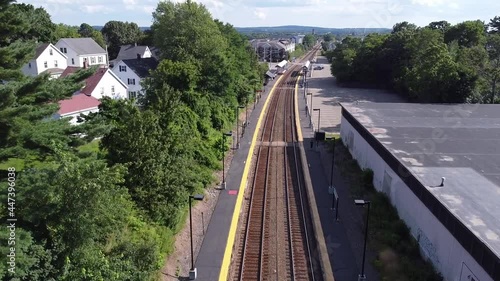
<point>29,65</point>
<point>50,52</point>
<point>92,60</point>
<point>55,63</point>
<point>123,68</point>
<point>102,90</point>
<point>63,50</point>
<point>99,59</point>
<point>132,95</point>
<point>72,61</point>
<point>45,64</point>
<point>112,89</point>
<point>131,81</point>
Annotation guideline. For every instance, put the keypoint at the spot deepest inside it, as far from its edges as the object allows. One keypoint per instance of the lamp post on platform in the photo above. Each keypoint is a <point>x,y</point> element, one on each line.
<point>192,271</point>
<point>319,116</point>
<point>224,135</point>
<point>360,202</point>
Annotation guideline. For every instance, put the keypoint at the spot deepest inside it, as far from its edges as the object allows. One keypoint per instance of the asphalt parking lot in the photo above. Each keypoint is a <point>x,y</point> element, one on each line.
<point>327,94</point>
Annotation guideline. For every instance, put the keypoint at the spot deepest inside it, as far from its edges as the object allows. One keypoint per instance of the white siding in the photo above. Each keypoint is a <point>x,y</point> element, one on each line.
<point>30,71</point>
<point>108,81</point>
<point>126,75</point>
<point>436,242</point>
<point>74,115</point>
<point>38,65</point>
<point>92,59</point>
<point>78,59</point>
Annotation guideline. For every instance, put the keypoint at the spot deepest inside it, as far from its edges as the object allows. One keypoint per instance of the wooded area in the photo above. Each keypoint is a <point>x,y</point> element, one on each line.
<point>111,213</point>
<point>440,62</point>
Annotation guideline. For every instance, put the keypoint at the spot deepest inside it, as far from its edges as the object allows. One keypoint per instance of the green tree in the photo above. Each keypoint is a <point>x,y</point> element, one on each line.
<point>467,34</point>
<point>492,67</point>
<point>65,31</point>
<point>41,27</point>
<point>85,30</point>
<point>494,25</point>
<point>118,33</point>
<point>443,25</point>
<point>308,41</point>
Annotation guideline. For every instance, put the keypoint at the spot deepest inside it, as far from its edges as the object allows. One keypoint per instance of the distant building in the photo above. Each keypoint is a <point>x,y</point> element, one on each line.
<point>439,165</point>
<point>48,59</point>
<point>298,39</point>
<point>272,50</point>
<point>133,71</point>
<point>79,50</point>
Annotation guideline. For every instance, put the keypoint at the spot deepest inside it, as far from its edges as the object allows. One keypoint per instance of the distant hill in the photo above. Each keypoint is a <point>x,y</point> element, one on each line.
<point>298,29</point>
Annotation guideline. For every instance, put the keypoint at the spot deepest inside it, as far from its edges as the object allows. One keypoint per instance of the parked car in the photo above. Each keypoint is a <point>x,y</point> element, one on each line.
<point>319,67</point>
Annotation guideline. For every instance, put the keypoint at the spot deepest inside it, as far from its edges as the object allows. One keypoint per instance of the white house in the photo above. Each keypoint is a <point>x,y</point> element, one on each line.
<point>48,59</point>
<point>79,50</point>
<point>104,83</point>
<point>133,71</point>
<point>78,104</point>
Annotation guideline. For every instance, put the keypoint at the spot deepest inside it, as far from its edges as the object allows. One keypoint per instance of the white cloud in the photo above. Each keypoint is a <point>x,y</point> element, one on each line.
<point>149,9</point>
<point>430,3</point>
<point>92,9</point>
<point>260,13</point>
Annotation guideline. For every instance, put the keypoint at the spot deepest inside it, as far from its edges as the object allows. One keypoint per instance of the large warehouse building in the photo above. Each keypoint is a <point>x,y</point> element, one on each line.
<point>410,148</point>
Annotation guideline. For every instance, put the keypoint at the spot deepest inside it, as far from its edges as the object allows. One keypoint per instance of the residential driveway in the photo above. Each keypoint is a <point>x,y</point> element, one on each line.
<point>327,95</point>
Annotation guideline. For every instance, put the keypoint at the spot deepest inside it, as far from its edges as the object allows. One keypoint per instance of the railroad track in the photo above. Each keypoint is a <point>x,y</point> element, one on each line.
<point>275,242</point>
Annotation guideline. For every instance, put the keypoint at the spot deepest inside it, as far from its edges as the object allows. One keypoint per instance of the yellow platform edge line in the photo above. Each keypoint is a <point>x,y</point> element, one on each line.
<point>297,117</point>
<point>236,214</point>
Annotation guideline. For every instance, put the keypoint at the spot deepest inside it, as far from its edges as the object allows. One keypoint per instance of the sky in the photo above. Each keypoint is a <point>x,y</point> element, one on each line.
<point>251,13</point>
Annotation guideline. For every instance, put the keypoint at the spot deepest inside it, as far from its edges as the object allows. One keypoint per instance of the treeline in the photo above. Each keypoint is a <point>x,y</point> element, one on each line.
<point>111,214</point>
<point>440,62</point>
<point>114,34</point>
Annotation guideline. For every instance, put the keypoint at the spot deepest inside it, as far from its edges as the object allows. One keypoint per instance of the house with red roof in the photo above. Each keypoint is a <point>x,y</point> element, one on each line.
<point>103,83</point>
<point>76,105</point>
<point>47,59</point>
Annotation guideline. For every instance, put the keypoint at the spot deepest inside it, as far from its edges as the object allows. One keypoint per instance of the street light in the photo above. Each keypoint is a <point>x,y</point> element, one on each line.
<point>192,271</point>
<point>224,135</point>
<point>310,106</point>
<point>238,126</point>
<point>360,202</point>
<point>319,116</point>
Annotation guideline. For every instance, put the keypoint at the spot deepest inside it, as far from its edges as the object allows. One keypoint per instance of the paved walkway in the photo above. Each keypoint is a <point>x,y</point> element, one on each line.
<point>344,239</point>
<point>326,96</point>
<point>209,259</point>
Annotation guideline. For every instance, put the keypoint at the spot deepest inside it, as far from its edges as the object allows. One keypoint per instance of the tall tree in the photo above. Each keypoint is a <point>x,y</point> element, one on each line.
<point>492,68</point>
<point>65,31</point>
<point>439,25</point>
<point>41,27</point>
<point>494,25</point>
<point>85,30</point>
<point>467,34</point>
<point>118,33</point>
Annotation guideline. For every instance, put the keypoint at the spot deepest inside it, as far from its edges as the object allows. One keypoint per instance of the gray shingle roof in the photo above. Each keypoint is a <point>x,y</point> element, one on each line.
<point>83,46</point>
<point>130,52</point>
<point>141,66</point>
<point>39,50</point>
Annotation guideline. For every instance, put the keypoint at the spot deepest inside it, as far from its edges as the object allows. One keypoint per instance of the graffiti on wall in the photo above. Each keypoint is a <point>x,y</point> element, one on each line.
<point>466,274</point>
<point>428,249</point>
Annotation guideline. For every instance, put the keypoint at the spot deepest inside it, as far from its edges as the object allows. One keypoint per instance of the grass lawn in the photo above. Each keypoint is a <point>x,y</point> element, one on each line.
<point>19,164</point>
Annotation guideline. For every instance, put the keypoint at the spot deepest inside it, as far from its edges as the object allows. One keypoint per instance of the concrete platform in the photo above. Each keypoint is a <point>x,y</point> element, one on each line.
<point>213,249</point>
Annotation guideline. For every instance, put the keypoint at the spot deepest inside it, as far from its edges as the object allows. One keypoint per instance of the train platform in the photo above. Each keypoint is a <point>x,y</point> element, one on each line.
<point>212,253</point>
<point>344,238</point>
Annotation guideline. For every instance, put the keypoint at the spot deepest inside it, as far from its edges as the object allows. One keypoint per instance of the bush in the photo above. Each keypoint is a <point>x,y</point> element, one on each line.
<point>367,179</point>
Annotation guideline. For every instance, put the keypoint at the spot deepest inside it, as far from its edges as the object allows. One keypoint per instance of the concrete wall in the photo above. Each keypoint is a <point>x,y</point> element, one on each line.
<point>437,244</point>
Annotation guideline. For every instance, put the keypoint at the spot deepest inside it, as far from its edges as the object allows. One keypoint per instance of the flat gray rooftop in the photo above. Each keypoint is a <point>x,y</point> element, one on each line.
<point>458,142</point>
